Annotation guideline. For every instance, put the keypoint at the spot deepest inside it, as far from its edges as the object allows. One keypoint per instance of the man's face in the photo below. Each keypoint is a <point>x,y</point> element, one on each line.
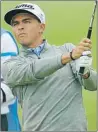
<point>26,29</point>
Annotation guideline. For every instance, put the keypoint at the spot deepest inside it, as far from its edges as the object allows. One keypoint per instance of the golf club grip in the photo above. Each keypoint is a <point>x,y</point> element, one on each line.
<point>89,32</point>
<point>81,71</point>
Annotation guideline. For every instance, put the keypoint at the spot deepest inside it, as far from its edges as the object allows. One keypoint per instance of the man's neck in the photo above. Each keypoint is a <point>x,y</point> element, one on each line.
<point>36,43</point>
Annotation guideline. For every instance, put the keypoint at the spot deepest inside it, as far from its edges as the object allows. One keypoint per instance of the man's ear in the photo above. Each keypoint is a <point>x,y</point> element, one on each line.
<point>42,28</point>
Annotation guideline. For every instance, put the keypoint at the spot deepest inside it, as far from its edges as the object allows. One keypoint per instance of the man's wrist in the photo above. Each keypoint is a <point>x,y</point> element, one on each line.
<point>72,58</point>
<point>66,58</point>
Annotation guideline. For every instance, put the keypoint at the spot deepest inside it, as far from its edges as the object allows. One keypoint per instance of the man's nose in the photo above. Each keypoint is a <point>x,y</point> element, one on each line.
<point>20,26</point>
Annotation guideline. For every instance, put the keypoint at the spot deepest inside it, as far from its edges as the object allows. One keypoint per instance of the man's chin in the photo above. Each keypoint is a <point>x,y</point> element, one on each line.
<point>23,43</point>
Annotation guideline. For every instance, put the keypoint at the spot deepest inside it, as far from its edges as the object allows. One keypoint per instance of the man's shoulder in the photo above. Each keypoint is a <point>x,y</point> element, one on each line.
<point>66,46</point>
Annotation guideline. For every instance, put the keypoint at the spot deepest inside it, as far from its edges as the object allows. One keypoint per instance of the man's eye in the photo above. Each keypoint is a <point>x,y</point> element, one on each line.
<point>14,24</point>
<point>26,21</point>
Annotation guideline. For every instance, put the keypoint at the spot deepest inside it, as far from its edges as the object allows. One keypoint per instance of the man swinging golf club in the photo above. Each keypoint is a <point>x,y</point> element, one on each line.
<point>46,77</point>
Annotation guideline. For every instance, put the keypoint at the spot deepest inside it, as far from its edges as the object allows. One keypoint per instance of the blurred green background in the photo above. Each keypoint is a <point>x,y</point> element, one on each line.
<point>66,21</point>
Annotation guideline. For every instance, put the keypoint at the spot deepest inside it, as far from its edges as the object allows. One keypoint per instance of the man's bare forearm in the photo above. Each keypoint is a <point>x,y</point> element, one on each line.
<point>66,58</point>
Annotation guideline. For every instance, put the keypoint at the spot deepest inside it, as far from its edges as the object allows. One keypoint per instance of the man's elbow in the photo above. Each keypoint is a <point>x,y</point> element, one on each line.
<point>9,81</point>
<point>91,88</point>
<point>9,78</point>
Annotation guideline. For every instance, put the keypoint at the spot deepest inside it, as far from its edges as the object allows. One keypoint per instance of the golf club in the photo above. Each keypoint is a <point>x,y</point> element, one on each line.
<point>81,71</point>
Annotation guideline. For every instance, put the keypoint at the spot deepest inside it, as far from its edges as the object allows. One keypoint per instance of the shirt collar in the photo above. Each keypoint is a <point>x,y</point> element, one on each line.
<point>45,46</point>
<point>39,48</point>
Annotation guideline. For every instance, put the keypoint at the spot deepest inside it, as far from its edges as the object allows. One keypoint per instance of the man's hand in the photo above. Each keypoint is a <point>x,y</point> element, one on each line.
<point>83,61</point>
<point>84,45</point>
<point>83,48</point>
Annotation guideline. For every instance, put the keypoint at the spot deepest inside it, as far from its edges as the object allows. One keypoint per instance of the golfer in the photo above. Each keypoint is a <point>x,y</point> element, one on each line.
<point>47,77</point>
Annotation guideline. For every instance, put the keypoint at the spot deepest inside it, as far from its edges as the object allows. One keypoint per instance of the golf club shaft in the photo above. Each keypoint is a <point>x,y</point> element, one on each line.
<point>81,71</point>
<point>89,32</point>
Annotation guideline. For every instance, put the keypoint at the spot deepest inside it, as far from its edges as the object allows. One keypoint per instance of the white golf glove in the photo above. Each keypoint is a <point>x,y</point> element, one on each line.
<point>84,61</point>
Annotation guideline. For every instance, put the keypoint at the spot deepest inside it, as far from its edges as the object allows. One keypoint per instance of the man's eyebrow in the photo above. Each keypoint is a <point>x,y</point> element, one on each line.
<point>27,19</point>
<point>16,21</point>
